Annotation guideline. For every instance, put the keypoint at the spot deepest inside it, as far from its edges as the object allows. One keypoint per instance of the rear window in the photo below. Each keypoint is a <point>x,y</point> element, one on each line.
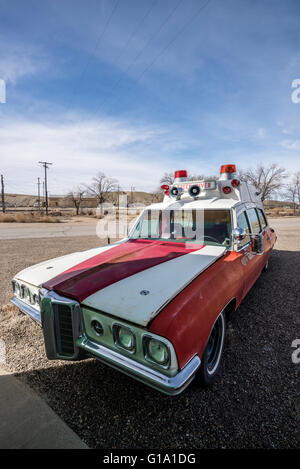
<point>262,218</point>
<point>242,222</point>
<point>253,220</point>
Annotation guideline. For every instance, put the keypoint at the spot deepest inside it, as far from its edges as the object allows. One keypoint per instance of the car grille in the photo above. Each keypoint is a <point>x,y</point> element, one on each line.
<point>64,329</point>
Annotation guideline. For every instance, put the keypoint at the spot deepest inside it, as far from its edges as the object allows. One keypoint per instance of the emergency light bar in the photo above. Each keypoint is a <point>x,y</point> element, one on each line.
<point>195,189</point>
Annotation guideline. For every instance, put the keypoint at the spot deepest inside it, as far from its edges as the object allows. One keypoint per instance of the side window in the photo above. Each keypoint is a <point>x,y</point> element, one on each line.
<point>262,218</point>
<point>242,222</point>
<point>253,220</point>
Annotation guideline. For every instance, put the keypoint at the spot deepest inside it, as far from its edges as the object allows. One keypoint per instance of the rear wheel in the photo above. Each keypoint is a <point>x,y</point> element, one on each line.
<point>212,355</point>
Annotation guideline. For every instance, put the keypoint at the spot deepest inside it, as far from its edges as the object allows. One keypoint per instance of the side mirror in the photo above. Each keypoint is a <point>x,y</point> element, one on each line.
<point>257,244</point>
<point>239,234</point>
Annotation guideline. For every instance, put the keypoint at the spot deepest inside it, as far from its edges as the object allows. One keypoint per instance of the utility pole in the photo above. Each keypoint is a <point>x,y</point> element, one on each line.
<point>132,190</point>
<point>45,164</point>
<point>39,198</point>
<point>2,193</point>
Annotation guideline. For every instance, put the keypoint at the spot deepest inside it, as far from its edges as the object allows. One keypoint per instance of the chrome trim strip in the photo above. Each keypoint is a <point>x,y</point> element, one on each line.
<point>27,309</point>
<point>169,385</point>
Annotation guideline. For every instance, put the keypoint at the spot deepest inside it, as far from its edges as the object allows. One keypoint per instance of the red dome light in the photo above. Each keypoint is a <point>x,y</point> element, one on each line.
<point>226,190</point>
<point>165,188</point>
<point>182,173</point>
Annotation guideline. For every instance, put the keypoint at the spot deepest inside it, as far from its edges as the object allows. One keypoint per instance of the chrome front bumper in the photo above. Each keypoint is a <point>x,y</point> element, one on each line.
<point>169,385</point>
<point>26,309</point>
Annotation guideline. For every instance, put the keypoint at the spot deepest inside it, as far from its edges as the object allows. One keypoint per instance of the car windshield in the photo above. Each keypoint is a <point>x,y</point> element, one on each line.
<point>192,226</point>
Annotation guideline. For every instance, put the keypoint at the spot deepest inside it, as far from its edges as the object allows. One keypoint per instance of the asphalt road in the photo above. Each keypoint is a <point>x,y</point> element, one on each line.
<point>47,230</point>
<point>255,401</point>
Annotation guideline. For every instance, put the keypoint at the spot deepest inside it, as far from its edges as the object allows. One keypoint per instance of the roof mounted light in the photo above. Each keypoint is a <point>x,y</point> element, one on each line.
<point>165,188</point>
<point>228,168</point>
<point>227,171</point>
<point>235,183</point>
<point>226,189</point>
<point>180,175</point>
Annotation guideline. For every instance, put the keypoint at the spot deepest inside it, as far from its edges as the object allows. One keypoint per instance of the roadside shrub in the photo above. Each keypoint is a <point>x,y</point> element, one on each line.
<point>27,218</point>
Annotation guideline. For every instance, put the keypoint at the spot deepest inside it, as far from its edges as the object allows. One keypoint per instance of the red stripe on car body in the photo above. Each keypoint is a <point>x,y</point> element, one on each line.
<point>115,264</point>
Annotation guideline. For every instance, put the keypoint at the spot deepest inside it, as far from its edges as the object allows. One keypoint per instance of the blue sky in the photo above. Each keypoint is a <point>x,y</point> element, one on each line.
<point>136,88</point>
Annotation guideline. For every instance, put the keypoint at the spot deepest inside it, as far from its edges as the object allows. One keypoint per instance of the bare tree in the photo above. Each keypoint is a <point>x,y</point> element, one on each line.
<point>167,178</point>
<point>101,186</point>
<point>266,179</point>
<point>296,182</point>
<point>76,196</point>
<point>290,194</point>
<point>292,191</point>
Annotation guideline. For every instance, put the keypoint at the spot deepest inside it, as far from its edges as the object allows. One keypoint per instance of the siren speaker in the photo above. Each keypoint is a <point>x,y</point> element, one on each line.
<point>194,190</point>
<point>174,192</point>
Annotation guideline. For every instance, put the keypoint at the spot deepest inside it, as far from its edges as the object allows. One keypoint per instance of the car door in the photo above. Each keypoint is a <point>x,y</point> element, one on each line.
<point>266,232</point>
<point>251,263</point>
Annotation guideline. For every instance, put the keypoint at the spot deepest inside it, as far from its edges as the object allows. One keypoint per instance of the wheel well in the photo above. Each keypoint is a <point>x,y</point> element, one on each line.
<point>229,309</point>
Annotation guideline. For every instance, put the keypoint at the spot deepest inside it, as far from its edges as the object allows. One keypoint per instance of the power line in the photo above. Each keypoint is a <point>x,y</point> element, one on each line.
<point>107,23</point>
<point>137,28</point>
<point>137,56</point>
<point>191,20</point>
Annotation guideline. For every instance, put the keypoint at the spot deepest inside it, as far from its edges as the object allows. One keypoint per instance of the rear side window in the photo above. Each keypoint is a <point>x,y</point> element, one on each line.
<point>262,218</point>
<point>242,222</point>
<point>253,220</point>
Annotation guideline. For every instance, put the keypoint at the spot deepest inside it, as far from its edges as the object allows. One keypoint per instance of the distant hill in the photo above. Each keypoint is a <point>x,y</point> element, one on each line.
<point>25,200</point>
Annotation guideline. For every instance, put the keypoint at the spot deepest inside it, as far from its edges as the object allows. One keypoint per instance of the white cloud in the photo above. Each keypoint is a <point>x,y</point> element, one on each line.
<point>290,144</point>
<point>261,132</point>
<point>79,149</point>
<point>20,60</point>
<point>136,154</point>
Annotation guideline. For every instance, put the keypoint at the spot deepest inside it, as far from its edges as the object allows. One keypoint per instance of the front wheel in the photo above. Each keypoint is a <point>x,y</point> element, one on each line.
<point>212,355</point>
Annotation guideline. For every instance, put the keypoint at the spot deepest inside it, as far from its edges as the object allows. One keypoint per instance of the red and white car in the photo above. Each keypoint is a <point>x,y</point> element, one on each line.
<point>155,305</point>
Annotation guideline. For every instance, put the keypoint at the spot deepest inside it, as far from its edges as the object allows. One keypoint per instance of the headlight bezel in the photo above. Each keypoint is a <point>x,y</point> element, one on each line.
<point>147,338</point>
<point>115,331</point>
<point>26,292</point>
<point>107,339</point>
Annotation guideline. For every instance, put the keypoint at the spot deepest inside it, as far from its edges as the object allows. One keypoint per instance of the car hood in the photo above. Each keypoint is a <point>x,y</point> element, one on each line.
<point>40,273</point>
<point>132,280</point>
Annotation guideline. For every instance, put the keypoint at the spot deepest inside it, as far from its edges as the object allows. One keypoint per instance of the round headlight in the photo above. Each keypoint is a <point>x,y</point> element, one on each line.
<point>97,327</point>
<point>158,351</point>
<point>125,338</point>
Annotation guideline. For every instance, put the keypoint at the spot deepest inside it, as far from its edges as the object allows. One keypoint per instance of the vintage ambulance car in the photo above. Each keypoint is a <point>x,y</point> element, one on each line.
<point>155,305</point>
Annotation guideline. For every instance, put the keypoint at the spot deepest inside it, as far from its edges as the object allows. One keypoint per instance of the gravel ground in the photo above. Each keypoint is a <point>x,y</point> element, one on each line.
<point>254,402</point>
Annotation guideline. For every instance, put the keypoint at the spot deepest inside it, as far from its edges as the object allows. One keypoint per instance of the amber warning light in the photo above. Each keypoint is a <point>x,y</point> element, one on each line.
<point>228,168</point>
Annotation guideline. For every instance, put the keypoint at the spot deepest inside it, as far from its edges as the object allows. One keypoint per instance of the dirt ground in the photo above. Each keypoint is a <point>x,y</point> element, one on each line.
<point>255,401</point>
